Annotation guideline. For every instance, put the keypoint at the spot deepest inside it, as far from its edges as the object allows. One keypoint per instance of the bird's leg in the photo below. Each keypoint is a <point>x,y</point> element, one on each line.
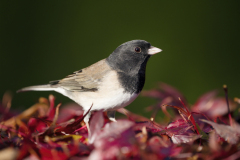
<point>86,120</point>
<point>111,115</point>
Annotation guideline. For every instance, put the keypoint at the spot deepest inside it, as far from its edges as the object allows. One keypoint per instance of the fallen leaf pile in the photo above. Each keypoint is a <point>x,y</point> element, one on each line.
<point>176,130</point>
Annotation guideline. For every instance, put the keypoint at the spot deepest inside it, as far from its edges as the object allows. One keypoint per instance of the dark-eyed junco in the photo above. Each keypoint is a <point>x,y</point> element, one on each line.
<point>109,84</point>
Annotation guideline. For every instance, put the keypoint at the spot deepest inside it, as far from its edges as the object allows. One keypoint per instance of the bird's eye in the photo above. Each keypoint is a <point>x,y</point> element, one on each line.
<point>138,49</point>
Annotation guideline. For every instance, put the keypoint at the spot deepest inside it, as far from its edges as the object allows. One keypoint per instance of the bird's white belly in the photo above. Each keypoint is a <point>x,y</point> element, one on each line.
<point>108,101</point>
<point>110,96</point>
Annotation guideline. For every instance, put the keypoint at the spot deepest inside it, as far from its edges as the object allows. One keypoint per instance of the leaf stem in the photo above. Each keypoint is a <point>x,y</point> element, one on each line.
<point>226,96</point>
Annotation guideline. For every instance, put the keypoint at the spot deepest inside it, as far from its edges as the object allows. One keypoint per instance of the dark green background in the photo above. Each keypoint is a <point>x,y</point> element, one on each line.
<point>46,40</point>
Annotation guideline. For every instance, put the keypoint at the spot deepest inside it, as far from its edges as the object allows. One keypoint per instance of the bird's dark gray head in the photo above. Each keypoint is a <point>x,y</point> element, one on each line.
<point>131,57</point>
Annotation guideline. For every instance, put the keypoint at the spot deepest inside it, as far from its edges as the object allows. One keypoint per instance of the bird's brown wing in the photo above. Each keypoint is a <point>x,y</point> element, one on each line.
<point>87,79</point>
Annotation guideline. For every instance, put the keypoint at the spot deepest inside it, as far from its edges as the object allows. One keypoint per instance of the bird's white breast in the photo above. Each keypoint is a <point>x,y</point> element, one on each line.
<point>110,95</point>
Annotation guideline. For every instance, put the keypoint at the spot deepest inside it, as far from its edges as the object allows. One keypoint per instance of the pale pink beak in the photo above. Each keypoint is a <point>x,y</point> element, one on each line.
<point>153,50</point>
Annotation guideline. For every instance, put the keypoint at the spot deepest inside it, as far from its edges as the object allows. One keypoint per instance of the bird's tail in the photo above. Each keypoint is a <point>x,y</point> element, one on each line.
<point>46,87</point>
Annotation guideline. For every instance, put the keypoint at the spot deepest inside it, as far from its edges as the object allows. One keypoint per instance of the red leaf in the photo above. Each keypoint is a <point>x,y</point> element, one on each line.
<point>51,111</point>
<point>115,138</point>
<point>181,131</point>
<point>150,126</point>
<point>165,92</point>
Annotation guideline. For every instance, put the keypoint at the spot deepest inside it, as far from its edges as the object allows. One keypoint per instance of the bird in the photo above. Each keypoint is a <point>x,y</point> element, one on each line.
<point>109,84</point>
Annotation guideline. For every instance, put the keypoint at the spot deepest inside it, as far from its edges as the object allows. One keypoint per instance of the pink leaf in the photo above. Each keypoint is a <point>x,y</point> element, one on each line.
<point>96,124</point>
<point>177,139</point>
<point>211,105</point>
<point>229,133</point>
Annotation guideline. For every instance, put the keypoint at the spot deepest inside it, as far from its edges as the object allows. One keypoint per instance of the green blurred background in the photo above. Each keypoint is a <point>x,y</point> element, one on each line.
<point>46,40</point>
